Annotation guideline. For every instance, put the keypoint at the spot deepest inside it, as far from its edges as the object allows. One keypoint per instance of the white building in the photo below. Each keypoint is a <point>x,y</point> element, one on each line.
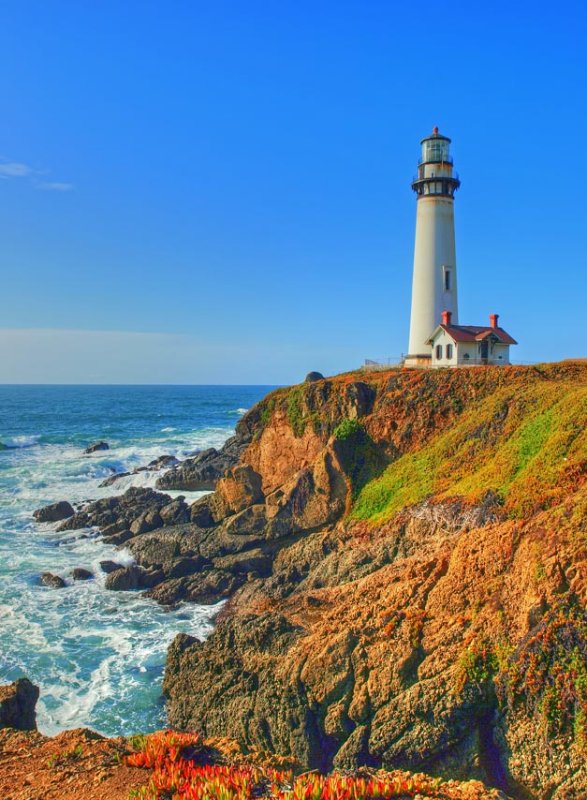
<point>436,338</point>
<point>467,345</point>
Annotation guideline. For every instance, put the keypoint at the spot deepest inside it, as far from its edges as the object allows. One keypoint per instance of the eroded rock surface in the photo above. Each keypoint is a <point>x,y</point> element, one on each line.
<point>17,705</point>
<point>410,642</point>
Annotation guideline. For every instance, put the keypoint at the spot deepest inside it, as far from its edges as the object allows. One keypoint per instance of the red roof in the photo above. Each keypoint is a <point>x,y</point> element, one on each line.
<point>476,333</point>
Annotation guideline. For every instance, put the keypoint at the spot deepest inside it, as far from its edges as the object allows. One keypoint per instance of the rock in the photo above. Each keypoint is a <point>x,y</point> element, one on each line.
<point>125,579</point>
<point>81,574</point>
<point>54,512</point>
<point>161,462</point>
<point>113,478</point>
<point>240,488</point>
<point>157,464</point>
<point>110,566</point>
<point>147,521</point>
<point>119,538</point>
<point>52,581</point>
<point>431,637</point>
<point>175,513</point>
<point>114,515</point>
<point>96,446</point>
<point>17,705</point>
<point>312,377</point>
<point>201,514</point>
<point>205,588</point>
<point>202,472</point>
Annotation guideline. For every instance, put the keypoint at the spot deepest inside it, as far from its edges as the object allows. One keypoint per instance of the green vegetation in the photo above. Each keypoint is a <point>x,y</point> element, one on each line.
<point>476,666</point>
<point>549,673</point>
<point>527,444</point>
<point>346,429</point>
<point>295,411</point>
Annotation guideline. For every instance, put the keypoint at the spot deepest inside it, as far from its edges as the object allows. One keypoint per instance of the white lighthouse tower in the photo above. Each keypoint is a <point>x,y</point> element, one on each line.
<point>434,286</point>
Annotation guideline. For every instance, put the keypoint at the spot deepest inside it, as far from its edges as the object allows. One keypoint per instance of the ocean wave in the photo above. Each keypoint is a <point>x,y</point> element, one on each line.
<point>18,442</point>
<point>168,430</point>
<point>239,411</point>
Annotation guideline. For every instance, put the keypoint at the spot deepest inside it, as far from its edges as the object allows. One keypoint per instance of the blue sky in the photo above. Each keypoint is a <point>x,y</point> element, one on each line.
<point>219,192</point>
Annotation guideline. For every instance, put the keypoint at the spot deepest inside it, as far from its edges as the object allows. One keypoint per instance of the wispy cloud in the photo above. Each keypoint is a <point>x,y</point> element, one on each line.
<point>55,186</point>
<point>18,169</point>
<point>14,169</point>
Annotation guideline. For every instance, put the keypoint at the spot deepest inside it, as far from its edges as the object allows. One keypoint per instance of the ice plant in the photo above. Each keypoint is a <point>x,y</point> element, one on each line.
<point>176,775</point>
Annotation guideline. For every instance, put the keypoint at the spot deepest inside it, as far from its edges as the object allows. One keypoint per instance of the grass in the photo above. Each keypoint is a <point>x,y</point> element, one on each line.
<point>528,446</point>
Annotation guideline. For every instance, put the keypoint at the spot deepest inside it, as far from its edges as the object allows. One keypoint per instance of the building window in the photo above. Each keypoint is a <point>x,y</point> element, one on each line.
<point>438,352</point>
<point>449,351</point>
<point>467,356</point>
<point>446,279</point>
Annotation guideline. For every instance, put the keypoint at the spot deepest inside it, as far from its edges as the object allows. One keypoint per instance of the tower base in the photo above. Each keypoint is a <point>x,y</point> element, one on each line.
<point>420,361</point>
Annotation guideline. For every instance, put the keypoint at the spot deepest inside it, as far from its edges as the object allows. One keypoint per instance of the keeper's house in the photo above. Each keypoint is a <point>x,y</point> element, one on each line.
<point>462,345</point>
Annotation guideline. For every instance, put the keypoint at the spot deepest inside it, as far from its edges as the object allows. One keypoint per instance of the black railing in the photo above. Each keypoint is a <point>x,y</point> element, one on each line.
<point>420,179</point>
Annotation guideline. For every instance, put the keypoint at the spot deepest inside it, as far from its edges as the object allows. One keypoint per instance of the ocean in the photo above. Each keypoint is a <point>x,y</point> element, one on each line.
<point>97,656</point>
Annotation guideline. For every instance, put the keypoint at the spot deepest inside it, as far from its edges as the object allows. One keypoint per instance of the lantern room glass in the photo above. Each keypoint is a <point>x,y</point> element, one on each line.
<point>435,150</point>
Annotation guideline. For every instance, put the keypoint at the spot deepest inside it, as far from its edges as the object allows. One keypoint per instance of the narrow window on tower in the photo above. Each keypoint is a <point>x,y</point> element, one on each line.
<point>446,279</point>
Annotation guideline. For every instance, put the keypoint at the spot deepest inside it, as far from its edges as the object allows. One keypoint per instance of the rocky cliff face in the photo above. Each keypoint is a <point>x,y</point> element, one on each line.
<point>17,705</point>
<point>414,579</point>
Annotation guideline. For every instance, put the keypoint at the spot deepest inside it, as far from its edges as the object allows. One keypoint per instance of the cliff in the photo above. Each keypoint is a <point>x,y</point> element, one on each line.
<point>407,554</point>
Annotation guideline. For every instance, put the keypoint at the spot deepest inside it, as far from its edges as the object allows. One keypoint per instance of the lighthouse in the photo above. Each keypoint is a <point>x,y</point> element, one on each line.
<point>434,283</point>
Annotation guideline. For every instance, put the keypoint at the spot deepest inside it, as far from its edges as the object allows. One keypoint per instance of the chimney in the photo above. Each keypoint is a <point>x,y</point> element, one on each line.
<point>446,317</point>
<point>493,320</point>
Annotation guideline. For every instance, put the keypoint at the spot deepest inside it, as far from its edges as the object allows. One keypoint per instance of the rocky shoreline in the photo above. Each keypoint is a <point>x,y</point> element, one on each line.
<point>394,644</point>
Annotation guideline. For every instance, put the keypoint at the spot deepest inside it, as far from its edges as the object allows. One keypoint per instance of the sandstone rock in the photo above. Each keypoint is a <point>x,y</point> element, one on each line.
<point>54,512</point>
<point>81,574</point>
<point>239,489</point>
<point>52,581</point>
<point>96,446</point>
<point>17,705</point>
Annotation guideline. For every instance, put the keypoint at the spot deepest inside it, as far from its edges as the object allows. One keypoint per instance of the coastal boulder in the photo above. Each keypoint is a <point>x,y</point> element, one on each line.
<point>312,377</point>
<point>17,705</point>
<point>125,579</point>
<point>81,574</point>
<point>54,512</point>
<point>52,581</point>
<point>110,566</point>
<point>96,446</point>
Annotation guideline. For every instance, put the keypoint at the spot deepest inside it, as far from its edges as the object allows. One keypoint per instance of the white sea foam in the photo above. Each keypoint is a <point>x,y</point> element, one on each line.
<point>97,655</point>
<point>18,442</point>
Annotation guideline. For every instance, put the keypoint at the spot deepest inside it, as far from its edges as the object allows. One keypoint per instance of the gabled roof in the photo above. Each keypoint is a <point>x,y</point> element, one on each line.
<point>473,333</point>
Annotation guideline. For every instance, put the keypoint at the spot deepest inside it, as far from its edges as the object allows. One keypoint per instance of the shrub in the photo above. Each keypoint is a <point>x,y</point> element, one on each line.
<point>347,428</point>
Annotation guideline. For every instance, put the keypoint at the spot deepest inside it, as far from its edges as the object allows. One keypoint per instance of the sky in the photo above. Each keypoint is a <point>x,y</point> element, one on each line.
<point>202,191</point>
